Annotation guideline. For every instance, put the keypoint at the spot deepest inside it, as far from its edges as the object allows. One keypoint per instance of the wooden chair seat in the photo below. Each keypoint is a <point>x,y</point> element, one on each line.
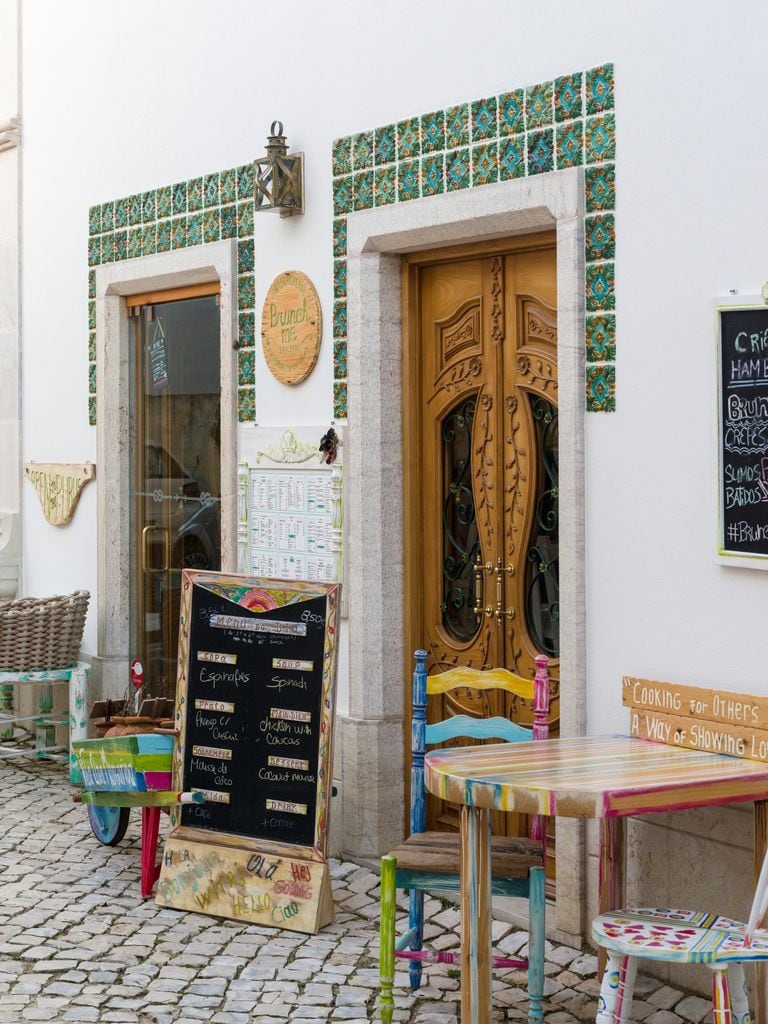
<point>439,852</point>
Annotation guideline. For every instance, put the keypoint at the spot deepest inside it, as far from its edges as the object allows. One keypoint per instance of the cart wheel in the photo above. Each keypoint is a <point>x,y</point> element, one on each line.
<point>108,824</point>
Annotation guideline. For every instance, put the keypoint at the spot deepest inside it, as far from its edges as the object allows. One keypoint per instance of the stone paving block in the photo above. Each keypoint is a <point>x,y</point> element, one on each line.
<point>666,997</point>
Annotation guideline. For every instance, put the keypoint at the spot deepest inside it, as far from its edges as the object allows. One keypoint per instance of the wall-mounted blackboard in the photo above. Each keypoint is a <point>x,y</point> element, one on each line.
<point>743,431</point>
<point>257,706</point>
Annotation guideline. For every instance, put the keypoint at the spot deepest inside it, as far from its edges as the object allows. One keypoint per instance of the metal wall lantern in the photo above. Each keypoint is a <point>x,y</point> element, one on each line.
<point>279,178</point>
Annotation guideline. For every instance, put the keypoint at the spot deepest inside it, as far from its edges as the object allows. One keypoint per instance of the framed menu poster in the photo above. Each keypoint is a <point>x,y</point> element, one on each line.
<point>254,713</point>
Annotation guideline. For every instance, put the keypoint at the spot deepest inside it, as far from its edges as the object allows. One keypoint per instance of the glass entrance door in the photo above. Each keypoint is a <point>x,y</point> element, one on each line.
<point>175,495</point>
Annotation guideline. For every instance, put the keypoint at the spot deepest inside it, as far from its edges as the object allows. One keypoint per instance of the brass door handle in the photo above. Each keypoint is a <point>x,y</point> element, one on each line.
<point>145,542</point>
<point>480,611</point>
<point>502,612</point>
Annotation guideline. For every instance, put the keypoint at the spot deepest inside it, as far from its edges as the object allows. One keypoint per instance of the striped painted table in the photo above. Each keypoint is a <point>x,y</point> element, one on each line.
<point>604,777</point>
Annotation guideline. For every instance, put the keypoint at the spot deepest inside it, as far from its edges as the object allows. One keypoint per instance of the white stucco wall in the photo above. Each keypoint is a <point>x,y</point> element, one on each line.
<point>122,98</point>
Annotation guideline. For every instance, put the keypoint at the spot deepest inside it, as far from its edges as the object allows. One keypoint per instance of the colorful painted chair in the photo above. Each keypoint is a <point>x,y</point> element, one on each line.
<point>429,861</point>
<point>682,936</point>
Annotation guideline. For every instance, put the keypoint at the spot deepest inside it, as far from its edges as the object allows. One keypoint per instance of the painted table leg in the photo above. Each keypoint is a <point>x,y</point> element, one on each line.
<point>761,969</point>
<point>611,871</point>
<point>721,1001</point>
<point>79,686</point>
<point>387,939</point>
<point>475,916</point>
<point>150,826</point>
<point>737,989</point>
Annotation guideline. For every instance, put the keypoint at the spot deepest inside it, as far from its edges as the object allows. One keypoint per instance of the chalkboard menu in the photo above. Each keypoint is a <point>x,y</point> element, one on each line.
<point>743,433</point>
<point>258,706</point>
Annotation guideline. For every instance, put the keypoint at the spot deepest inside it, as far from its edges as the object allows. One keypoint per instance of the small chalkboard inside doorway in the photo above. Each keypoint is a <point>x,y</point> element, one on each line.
<point>254,712</point>
<point>742,437</point>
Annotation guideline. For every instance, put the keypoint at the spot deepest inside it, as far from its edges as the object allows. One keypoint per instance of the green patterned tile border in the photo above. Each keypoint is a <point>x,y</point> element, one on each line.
<point>543,128</point>
<point>177,216</point>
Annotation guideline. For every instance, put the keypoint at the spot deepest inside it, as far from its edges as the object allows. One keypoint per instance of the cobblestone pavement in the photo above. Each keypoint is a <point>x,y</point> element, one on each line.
<point>77,943</point>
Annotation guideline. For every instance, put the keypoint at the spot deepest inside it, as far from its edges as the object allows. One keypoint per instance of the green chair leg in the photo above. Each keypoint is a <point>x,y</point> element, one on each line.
<point>536,932</point>
<point>387,938</point>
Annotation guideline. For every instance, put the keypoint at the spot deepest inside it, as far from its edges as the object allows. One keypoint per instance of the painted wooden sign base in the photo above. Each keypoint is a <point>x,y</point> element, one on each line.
<point>245,885</point>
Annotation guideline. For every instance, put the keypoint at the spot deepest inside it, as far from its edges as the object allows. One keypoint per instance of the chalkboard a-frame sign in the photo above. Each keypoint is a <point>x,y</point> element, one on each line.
<point>742,434</point>
<point>254,712</point>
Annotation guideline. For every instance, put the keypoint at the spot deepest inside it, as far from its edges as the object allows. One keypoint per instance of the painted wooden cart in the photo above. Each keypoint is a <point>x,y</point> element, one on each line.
<point>121,772</point>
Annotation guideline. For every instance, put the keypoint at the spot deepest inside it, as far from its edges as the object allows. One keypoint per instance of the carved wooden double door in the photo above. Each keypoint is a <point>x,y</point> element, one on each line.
<point>482,509</point>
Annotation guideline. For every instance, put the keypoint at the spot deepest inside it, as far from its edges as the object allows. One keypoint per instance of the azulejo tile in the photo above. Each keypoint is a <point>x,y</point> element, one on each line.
<point>512,158</point>
<point>91,284</point>
<point>511,112</point>
<point>340,236</point>
<point>229,221</point>
<point>121,245</point>
<point>179,191</point>
<point>433,132</point>
<point>245,219</point>
<point>570,144</point>
<point>92,315</point>
<point>339,359</point>
<point>568,100</point>
<point>600,284</point>
<point>245,181</point>
<point>228,185</point>
<point>457,126</point>
<point>408,138</point>
<point>340,319</point>
<point>107,216</point>
<point>211,193</point>
<point>134,243</point>
<point>121,213</point>
<point>135,210</point>
<point>246,330</point>
<point>94,220</point>
<point>342,156</point>
<point>601,138</point>
<point>92,346</point>
<point>601,338</point>
<point>343,195</point>
<point>211,226</point>
<point>164,202</point>
<point>540,151</point>
<point>94,252</point>
<point>601,388</point>
<point>484,125</point>
<point>384,186</point>
<point>600,89</point>
<point>408,180</point>
<point>107,248</point>
<point>362,151</point>
<point>432,175</point>
<point>340,399</point>
<point>246,405</point>
<point>364,190</point>
<point>600,187</point>
<point>600,237</point>
<point>457,170</point>
<point>245,256</point>
<point>485,163</point>
<point>384,144</point>
<point>340,280</point>
<point>148,207</point>
<point>246,367</point>
<point>246,295</point>
<point>148,239</point>
<point>179,233</point>
<point>163,236</point>
<point>92,410</point>
<point>92,378</point>
<point>195,229</point>
<point>195,189</point>
<point>538,105</point>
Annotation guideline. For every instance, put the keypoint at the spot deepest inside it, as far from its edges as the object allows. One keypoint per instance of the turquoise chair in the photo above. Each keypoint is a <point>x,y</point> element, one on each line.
<point>429,861</point>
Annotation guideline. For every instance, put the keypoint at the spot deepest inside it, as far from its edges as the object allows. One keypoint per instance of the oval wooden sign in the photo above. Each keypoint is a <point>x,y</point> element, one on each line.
<point>291,327</point>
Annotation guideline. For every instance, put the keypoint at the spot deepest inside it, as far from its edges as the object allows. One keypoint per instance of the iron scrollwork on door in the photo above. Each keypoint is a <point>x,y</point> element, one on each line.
<point>460,533</point>
<point>542,598</point>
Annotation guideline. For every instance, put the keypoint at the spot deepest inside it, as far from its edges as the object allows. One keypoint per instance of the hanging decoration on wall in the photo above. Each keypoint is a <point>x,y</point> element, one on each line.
<point>58,486</point>
<point>291,327</point>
